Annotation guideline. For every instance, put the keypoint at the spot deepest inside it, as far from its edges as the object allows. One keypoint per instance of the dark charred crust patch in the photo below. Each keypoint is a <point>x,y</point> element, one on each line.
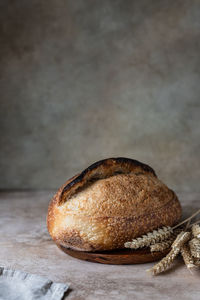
<point>103,169</point>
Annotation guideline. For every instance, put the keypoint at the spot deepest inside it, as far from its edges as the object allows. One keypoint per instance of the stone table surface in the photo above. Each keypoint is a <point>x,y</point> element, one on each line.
<point>26,245</point>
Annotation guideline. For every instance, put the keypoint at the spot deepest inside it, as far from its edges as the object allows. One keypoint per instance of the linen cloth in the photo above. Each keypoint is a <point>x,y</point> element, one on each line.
<point>19,285</point>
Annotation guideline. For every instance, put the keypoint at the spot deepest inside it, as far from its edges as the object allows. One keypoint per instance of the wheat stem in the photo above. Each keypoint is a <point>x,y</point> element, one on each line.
<point>189,218</point>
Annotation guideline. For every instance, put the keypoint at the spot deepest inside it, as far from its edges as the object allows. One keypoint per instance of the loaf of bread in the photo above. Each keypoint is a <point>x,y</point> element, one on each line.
<point>109,203</point>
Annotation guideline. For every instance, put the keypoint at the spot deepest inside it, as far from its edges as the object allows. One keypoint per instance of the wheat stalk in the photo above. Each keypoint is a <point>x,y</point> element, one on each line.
<point>195,247</point>
<point>163,238</point>
<point>167,261</point>
<point>150,238</point>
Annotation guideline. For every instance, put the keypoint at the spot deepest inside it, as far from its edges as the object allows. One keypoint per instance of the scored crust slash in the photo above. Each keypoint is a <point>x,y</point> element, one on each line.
<point>112,201</point>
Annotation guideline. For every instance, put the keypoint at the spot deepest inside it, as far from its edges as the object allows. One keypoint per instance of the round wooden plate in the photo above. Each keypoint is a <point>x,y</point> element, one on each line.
<point>117,257</point>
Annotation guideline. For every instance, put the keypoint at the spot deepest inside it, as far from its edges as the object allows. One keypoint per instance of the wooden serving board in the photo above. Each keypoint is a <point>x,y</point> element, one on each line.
<point>117,257</point>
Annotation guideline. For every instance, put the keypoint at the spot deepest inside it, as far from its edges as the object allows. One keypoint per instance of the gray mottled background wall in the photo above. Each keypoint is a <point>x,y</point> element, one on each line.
<point>86,80</point>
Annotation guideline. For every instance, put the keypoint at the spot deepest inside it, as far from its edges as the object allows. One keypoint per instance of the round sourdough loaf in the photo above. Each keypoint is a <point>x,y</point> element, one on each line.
<point>109,203</point>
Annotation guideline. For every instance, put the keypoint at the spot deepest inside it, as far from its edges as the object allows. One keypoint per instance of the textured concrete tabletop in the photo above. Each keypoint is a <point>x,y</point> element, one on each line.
<point>26,245</point>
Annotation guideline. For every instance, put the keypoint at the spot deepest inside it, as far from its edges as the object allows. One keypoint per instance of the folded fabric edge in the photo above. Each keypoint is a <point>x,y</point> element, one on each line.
<point>58,290</point>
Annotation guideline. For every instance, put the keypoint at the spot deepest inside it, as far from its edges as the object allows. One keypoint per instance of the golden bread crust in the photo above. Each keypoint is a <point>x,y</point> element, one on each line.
<point>106,211</point>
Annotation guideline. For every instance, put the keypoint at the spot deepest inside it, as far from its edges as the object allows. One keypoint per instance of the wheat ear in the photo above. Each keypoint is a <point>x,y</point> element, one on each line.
<point>195,247</point>
<point>167,261</point>
<point>196,230</point>
<point>181,239</point>
<point>187,257</point>
<point>150,238</point>
<point>162,245</point>
<point>165,244</point>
